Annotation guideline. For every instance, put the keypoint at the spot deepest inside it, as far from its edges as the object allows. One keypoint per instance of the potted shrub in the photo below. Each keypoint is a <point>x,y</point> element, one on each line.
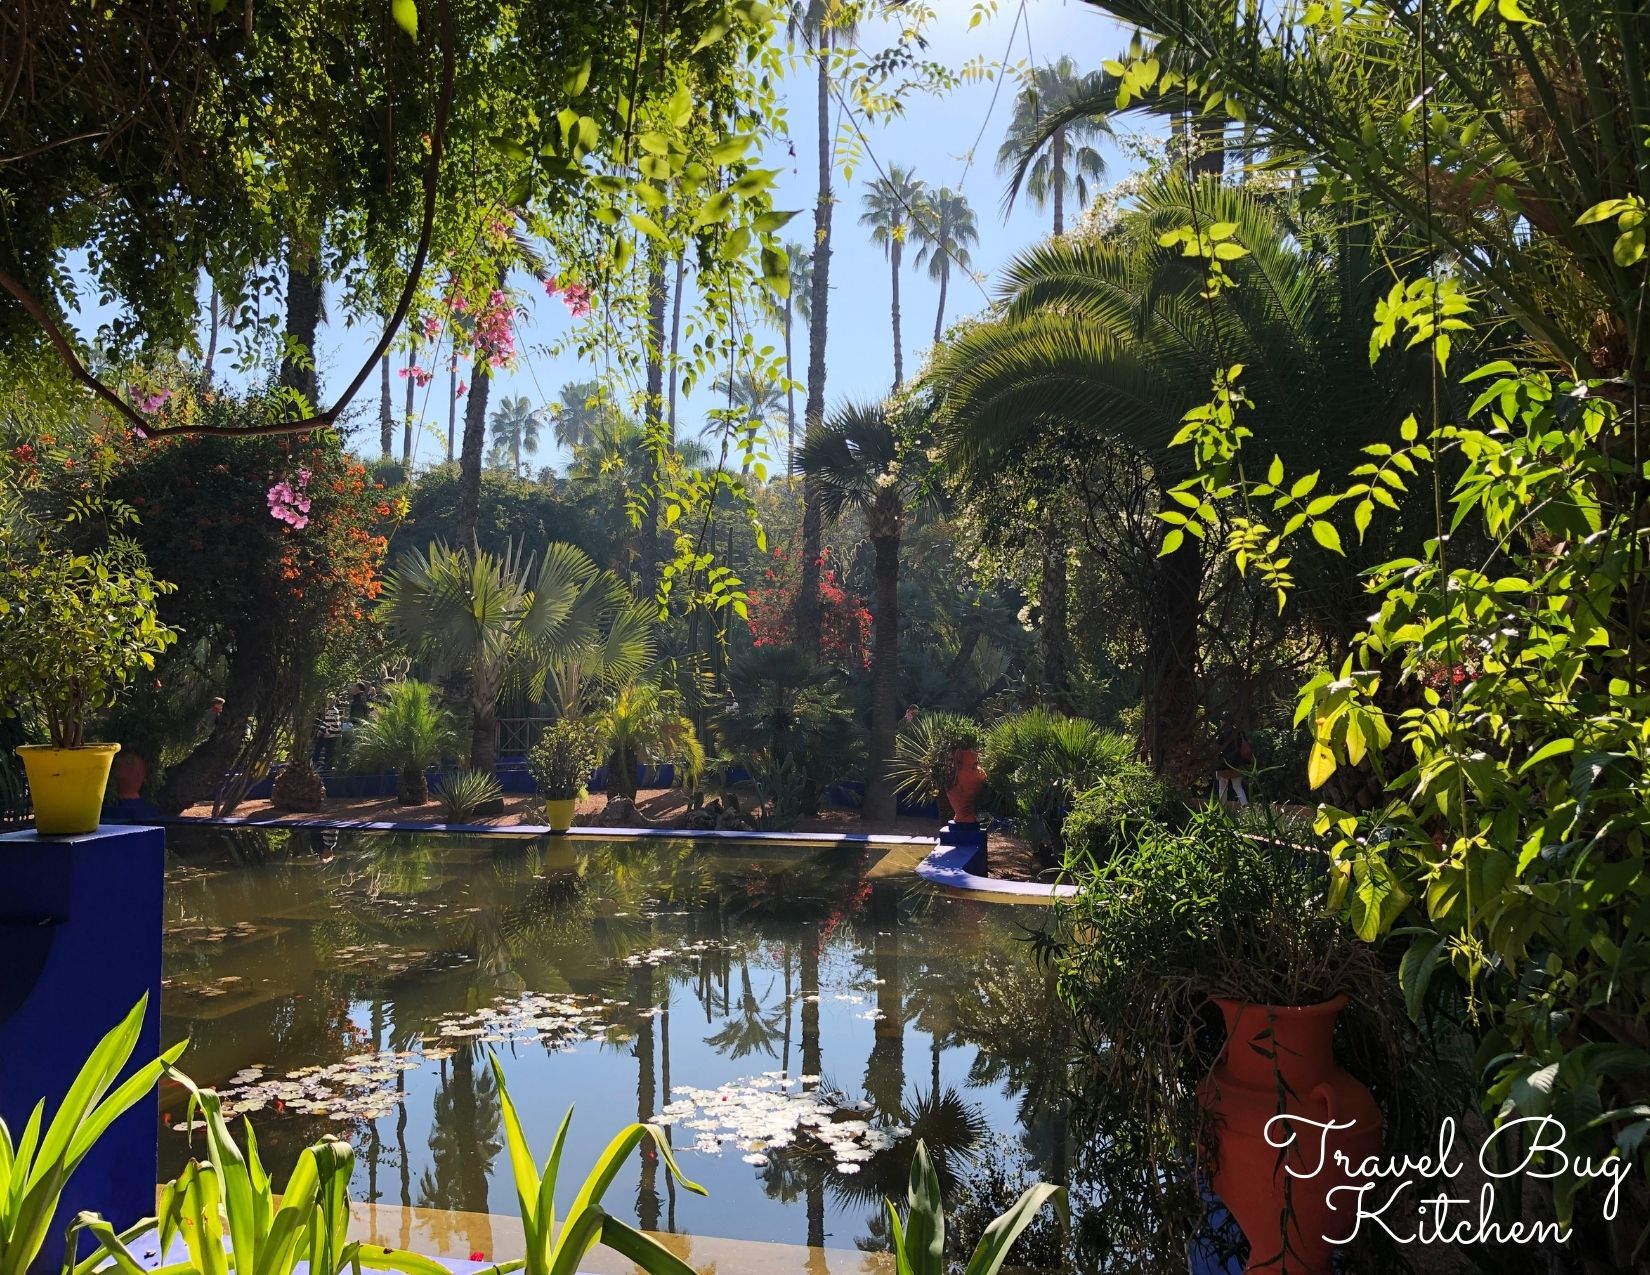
<point>407,732</point>
<point>75,630</point>
<point>560,764</point>
<point>1215,991</point>
<point>936,755</point>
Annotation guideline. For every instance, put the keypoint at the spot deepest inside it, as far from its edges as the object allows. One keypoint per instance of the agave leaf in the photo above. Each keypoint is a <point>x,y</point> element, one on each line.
<point>992,1250</point>
<point>648,1254</point>
<point>522,1168</point>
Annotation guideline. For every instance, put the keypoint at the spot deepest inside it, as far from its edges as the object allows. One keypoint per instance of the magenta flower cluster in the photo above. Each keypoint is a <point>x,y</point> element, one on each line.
<point>495,338</point>
<point>289,504</point>
<point>421,376</point>
<point>148,401</point>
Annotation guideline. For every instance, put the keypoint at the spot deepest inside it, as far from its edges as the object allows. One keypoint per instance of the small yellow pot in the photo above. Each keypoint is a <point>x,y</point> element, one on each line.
<point>67,785</point>
<point>558,812</point>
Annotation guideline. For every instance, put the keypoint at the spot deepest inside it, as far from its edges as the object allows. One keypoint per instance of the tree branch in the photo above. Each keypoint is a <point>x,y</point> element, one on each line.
<point>329,417</point>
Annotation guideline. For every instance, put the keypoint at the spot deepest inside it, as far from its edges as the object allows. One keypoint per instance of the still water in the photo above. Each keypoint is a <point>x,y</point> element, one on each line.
<point>795,1020</point>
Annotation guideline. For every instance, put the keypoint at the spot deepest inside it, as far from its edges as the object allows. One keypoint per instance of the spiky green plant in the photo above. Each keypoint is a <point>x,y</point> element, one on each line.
<point>919,1240</point>
<point>554,1249</point>
<point>463,792</point>
<point>925,761</point>
<point>408,733</point>
<point>35,1167</point>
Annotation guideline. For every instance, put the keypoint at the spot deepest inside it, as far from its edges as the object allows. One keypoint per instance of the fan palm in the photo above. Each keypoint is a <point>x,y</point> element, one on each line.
<point>1048,162</point>
<point>494,620</point>
<point>1114,337</point>
<point>945,229</point>
<point>408,732</point>
<point>863,460</point>
<point>516,426</point>
<point>889,205</point>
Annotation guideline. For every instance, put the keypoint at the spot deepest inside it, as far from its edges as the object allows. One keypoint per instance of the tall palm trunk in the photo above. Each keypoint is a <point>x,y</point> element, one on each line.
<point>1169,720</point>
<point>452,403</point>
<point>469,460</point>
<point>303,320</point>
<point>899,351</point>
<point>386,408</point>
<point>1056,641</point>
<point>945,279</point>
<point>790,391</point>
<point>885,1068</point>
<point>811,1066</point>
<point>675,335</point>
<point>885,537</point>
<point>654,418</point>
<point>407,421</point>
<point>1057,161</point>
<point>807,597</point>
<point>211,336</point>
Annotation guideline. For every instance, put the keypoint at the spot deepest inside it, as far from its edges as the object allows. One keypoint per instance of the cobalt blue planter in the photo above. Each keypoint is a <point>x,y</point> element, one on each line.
<point>80,942</point>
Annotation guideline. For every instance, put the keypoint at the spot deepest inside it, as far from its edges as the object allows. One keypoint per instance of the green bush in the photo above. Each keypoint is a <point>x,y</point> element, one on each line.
<point>406,733</point>
<point>463,792</point>
<point>1111,813</point>
<point>1038,761</point>
<point>561,762</point>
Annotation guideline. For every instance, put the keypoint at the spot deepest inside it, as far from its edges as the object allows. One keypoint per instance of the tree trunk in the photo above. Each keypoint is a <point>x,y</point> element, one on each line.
<point>452,404</point>
<point>469,462</point>
<point>654,420</point>
<point>407,423</point>
<point>790,392</point>
<point>885,538</point>
<point>1056,639</point>
<point>1169,723</point>
<point>211,336</point>
<point>386,408</point>
<point>1057,162</point>
<point>484,732</point>
<point>807,597</point>
<point>939,315</point>
<point>303,320</point>
<point>675,336</point>
<point>899,352</point>
<point>1210,131</point>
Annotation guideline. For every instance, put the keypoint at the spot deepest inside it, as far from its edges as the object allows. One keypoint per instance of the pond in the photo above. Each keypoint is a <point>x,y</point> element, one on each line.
<point>795,1017</point>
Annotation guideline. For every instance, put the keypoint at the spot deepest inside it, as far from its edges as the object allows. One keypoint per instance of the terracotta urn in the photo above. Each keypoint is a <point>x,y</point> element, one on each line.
<point>966,787</point>
<point>1271,1097</point>
<point>129,771</point>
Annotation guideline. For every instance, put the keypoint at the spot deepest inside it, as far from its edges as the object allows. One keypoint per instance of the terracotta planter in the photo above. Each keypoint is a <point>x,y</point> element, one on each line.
<point>965,789</point>
<point>129,772</point>
<point>67,785</point>
<point>1279,1061</point>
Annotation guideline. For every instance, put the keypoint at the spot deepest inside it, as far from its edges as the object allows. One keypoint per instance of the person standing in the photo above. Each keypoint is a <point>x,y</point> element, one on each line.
<point>209,719</point>
<point>1235,759</point>
<point>328,727</point>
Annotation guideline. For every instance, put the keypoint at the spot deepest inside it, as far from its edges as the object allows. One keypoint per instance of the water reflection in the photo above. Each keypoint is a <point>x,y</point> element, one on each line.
<point>355,988</point>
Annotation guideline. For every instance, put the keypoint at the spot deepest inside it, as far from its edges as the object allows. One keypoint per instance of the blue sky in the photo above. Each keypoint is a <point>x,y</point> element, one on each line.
<point>933,138</point>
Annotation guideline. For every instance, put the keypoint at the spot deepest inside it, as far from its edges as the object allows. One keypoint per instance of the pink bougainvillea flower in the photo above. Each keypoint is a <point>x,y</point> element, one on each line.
<point>551,287</point>
<point>148,401</point>
<point>576,297</point>
<point>431,327</point>
<point>459,391</point>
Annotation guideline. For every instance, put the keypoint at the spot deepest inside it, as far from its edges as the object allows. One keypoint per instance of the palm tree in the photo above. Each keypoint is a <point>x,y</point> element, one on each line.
<point>645,723</point>
<point>495,621</point>
<point>1047,163</point>
<point>408,732</point>
<point>515,429</point>
<point>580,408</point>
<point>798,304</point>
<point>754,400</point>
<point>889,205</point>
<point>945,228</point>
<point>386,408</point>
<point>1115,338</point>
<point>822,24</point>
<point>862,460</point>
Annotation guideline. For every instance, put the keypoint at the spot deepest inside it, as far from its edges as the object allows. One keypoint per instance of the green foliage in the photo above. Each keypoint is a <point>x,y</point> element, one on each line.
<point>1039,760</point>
<point>563,758</point>
<point>919,1241</point>
<point>463,792</point>
<point>557,1246</point>
<point>407,731</point>
<point>1108,816</point>
<point>36,1163</point>
<point>79,605</point>
<point>645,723</point>
<point>924,763</point>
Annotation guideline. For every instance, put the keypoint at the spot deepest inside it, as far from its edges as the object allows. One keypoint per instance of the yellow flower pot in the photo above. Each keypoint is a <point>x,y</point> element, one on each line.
<point>558,813</point>
<point>67,785</point>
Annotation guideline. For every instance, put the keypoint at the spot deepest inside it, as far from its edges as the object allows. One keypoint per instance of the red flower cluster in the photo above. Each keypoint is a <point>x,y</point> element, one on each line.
<point>844,619</point>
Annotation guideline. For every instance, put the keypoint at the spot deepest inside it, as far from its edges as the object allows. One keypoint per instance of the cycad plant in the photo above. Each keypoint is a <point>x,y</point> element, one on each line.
<point>408,732</point>
<point>497,620</point>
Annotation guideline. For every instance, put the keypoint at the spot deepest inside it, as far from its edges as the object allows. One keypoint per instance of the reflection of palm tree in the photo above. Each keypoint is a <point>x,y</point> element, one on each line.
<point>647,1190</point>
<point>753,1027</point>
<point>885,1068</point>
<point>464,1137</point>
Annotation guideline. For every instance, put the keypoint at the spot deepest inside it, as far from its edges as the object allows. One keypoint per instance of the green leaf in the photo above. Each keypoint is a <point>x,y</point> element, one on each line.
<point>405,13</point>
<point>1416,968</point>
<point>1552,748</point>
<point>1327,536</point>
<point>578,79</point>
<point>992,1250</point>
